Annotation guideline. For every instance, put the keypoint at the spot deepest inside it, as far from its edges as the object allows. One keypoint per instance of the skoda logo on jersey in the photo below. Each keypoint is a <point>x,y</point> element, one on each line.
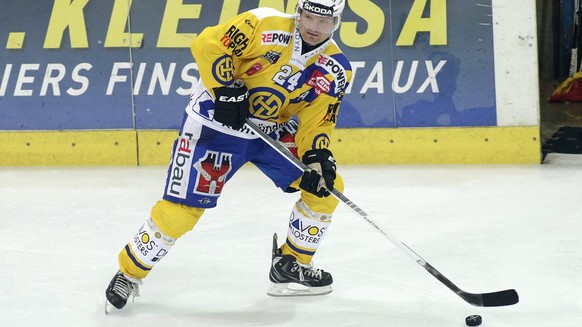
<point>265,102</point>
<point>223,70</point>
<point>318,9</point>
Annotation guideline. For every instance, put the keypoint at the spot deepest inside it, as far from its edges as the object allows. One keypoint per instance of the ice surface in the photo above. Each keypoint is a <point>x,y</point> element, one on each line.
<point>486,228</point>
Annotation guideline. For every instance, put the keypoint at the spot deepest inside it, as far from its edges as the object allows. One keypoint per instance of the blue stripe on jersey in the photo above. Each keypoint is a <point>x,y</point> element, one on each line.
<point>298,250</point>
<point>342,60</point>
<point>345,63</point>
<point>205,106</point>
<point>135,262</point>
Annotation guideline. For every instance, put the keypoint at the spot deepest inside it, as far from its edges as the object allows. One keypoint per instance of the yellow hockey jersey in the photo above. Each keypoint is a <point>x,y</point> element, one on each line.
<point>262,47</point>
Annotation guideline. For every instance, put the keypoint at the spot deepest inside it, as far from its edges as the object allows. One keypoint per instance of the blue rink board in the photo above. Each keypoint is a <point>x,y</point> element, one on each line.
<point>462,93</point>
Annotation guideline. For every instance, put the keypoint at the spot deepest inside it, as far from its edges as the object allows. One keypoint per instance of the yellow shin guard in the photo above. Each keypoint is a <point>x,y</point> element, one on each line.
<point>306,230</point>
<point>168,222</point>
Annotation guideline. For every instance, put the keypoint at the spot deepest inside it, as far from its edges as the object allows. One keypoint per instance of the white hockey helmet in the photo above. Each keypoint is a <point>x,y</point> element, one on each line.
<point>326,8</point>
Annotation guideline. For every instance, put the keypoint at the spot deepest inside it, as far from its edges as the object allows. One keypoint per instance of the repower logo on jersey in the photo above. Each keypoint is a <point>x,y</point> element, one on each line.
<point>317,8</point>
<point>276,38</point>
<point>235,40</point>
<point>213,168</point>
<point>335,69</point>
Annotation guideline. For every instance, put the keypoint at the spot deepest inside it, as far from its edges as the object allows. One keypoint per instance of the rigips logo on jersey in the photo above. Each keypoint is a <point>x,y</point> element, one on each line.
<point>318,9</point>
<point>275,38</point>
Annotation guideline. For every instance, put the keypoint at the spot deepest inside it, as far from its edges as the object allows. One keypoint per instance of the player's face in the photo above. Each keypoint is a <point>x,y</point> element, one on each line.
<point>315,29</point>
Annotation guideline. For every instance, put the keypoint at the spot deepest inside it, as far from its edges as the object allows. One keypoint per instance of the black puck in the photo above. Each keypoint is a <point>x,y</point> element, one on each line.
<point>473,320</point>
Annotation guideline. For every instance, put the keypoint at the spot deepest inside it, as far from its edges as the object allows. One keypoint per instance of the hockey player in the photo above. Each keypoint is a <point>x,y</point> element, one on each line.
<point>269,67</point>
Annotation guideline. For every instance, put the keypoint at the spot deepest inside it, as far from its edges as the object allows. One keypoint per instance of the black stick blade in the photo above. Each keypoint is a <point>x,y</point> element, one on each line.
<point>501,298</point>
<point>494,299</point>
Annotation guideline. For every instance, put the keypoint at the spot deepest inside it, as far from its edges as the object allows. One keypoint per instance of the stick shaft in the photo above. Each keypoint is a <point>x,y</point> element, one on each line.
<point>501,298</point>
<point>284,152</point>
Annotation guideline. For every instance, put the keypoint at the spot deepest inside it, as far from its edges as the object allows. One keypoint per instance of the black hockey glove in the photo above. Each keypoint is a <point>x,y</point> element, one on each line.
<point>321,175</point>
<point>231,106</point>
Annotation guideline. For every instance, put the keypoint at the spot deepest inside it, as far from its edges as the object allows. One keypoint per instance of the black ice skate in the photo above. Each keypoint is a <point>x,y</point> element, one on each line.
<point>289,278</point>
<point>119,290</point>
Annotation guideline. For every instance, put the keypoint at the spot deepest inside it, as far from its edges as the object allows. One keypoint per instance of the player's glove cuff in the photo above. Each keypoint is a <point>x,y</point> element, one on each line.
<point>319,179</point>
<point>231,106</point>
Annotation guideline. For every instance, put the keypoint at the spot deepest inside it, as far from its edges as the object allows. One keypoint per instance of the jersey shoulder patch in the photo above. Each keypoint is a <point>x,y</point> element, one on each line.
<point>338,67</point>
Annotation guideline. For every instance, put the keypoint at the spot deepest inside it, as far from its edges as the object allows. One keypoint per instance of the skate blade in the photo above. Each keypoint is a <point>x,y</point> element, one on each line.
<point>294,289</point>
<point>108,307</point>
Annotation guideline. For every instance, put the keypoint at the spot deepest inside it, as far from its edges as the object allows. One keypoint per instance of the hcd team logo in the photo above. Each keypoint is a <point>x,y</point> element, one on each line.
<point>320,141</point>
<point>223,70</point>
<point>213,169</point>
<point>265,102</point>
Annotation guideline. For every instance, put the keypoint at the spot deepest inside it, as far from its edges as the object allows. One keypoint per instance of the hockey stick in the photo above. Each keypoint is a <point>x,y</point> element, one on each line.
<point>575,44</point>
<point>493,299</point>
<point>578,39</point>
